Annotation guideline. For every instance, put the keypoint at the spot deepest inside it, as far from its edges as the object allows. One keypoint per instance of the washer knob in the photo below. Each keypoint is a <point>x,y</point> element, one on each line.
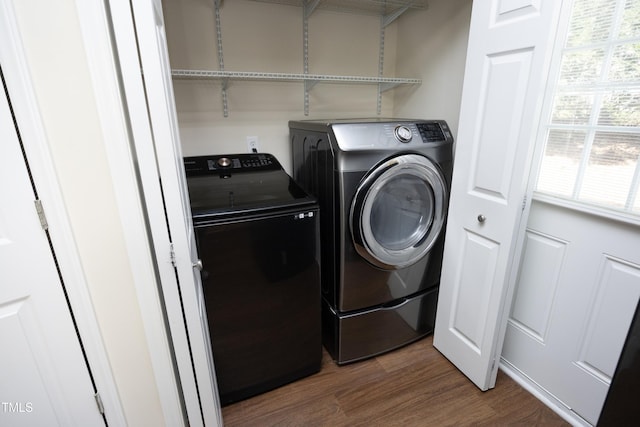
<point>224,162</point>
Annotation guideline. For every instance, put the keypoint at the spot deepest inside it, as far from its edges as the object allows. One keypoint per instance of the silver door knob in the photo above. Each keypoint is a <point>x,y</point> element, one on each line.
<point>198,265</point>
<point>481,218</point>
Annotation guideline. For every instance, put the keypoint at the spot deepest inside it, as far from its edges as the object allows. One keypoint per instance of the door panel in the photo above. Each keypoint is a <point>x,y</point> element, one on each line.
<point>504,85</point>
<point>19,326</point>
<point>471,300</point>
<point>44,379</point>
<point>575,297</point>
<point>506,69</point>
<point>618,292</point>
<point>533,300</point>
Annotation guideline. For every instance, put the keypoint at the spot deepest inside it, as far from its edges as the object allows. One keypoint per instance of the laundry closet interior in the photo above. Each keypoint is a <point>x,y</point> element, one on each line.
<point>244,72</point>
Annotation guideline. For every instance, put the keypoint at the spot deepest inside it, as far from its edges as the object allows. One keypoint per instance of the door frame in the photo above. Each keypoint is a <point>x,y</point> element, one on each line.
<point>115,116</point>
<point>190,347</point>
<point>25,106</point>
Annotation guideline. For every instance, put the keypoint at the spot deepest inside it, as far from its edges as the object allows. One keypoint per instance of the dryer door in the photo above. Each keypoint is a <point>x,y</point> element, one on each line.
<point>398,211</point>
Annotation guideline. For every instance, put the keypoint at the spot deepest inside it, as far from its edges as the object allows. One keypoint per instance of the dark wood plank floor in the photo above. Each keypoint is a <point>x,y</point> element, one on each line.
<point>412,386</point>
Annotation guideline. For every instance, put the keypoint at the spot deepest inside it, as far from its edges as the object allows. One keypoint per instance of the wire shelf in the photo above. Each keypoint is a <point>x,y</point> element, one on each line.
<point>373,7</point>
<point>388,10</point>
<point>287,77</point>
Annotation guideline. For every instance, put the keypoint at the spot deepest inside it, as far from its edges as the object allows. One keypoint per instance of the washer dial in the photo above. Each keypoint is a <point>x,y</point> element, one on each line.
<point>224,162</point>
<point>403,133</point>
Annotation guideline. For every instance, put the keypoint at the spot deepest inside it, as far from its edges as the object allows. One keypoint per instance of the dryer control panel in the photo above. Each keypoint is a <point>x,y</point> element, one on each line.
<point>390,135</point>
<point>431,132</point>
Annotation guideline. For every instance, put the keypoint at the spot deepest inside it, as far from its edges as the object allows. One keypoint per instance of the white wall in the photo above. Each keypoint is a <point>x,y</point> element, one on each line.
<point>58,69</point>
<point>266,37</point>
<point>428,44</point>
<point>432,46</point>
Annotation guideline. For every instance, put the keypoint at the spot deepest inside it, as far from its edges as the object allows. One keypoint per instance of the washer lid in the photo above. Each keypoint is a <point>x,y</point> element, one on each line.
<point>398,211</point>
<point>240,184</point>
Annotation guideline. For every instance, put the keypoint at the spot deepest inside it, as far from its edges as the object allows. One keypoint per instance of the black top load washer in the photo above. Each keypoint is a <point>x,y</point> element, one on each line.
<point>257,236</point>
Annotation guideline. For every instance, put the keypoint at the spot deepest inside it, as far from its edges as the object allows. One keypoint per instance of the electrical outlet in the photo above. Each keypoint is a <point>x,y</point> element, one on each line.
<point>252,144</point>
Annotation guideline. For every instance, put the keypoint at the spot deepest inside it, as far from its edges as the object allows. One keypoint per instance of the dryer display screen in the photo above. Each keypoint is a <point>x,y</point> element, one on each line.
<point>431,132</point>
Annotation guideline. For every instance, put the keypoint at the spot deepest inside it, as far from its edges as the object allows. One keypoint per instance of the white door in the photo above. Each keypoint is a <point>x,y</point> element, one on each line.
<point>579,282</point>
<point>507,63</point>
<point>44,380</point>
<point>151,41</point>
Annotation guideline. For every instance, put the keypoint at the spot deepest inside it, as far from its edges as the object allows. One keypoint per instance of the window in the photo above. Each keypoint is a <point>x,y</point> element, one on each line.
<point>592,137</point>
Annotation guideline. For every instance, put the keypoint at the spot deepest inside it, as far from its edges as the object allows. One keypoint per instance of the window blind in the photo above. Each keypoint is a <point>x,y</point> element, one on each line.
<point>592,136</point>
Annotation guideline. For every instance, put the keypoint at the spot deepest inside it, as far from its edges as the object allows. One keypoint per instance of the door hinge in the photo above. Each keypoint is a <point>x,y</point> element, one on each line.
<point>99,403</point>
<point>524,202</point>
<point>40,211</point>
<point>172,254</point>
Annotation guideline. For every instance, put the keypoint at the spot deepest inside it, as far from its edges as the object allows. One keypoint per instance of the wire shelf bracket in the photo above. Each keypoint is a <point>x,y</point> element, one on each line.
<point>311,80</point>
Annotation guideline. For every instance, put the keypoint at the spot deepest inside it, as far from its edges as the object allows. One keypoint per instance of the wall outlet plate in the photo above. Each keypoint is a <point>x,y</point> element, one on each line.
<point>252,144</point>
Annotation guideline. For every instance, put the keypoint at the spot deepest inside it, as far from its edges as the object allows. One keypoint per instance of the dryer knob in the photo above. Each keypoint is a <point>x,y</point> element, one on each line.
<point>403,133</point>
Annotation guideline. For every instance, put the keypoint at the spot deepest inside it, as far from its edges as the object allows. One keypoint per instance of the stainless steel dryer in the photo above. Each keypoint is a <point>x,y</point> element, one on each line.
<point>383,188</point>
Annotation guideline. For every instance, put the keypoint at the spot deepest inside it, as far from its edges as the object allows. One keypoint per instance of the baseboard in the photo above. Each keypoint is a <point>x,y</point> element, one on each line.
<point>543,395</point>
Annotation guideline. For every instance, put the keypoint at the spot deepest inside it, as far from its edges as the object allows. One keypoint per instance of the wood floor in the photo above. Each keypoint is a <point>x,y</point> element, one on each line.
<point>412,386</point>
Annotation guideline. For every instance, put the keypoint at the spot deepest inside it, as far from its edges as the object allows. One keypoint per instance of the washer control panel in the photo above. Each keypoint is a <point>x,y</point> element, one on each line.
<point>226,163</point>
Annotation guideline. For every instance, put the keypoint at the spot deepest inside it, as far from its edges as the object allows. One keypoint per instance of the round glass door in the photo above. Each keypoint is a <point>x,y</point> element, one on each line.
<point>398,211</point>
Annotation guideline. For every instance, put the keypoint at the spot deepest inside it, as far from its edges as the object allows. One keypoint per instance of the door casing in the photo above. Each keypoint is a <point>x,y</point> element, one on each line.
<point>25,107</point>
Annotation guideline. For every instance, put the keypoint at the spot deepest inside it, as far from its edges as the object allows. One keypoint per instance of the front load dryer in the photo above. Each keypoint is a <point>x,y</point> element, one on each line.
<point>383,189</point>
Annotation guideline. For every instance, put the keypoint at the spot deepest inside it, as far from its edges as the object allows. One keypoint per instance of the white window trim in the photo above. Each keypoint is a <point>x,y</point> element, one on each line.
<point>605,213</point>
